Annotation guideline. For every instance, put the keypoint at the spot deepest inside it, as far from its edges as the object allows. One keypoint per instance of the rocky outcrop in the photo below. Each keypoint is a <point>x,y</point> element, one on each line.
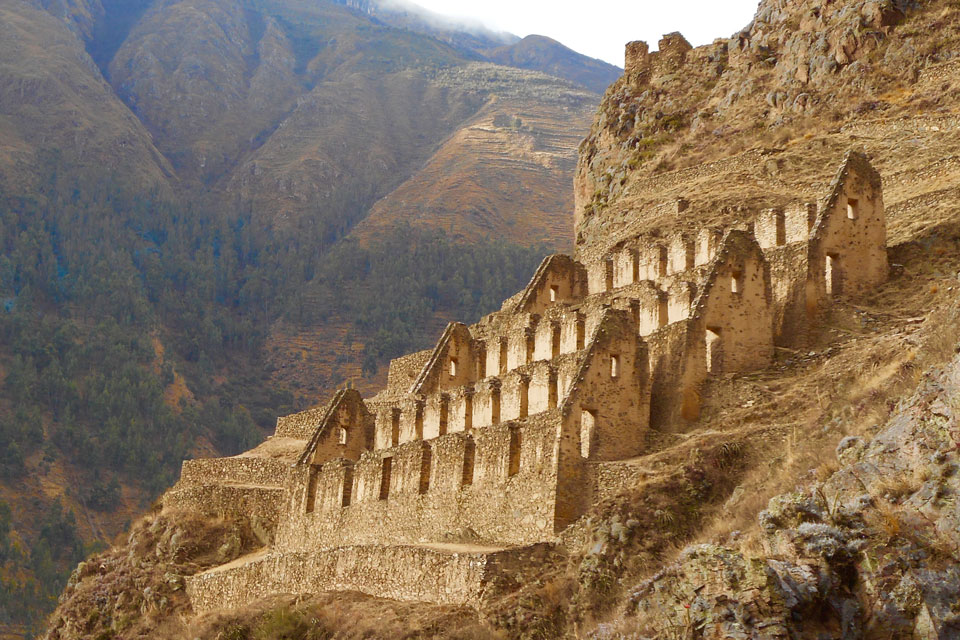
<point>873,548</point>
<point>798,67</point>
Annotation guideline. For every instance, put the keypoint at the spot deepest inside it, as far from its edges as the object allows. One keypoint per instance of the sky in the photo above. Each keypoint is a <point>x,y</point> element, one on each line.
<point>601,28</point>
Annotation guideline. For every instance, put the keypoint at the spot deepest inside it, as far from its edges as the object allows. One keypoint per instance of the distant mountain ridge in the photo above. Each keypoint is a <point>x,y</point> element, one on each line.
<point>540,53</point>
<point>213,82</point>
<point>533,52</point>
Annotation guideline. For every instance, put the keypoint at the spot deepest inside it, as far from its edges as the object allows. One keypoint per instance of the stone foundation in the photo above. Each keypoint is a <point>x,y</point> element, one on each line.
<point>419,574</point>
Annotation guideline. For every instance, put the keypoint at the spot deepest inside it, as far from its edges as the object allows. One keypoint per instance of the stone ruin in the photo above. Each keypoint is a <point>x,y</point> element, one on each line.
<point>468,467</point>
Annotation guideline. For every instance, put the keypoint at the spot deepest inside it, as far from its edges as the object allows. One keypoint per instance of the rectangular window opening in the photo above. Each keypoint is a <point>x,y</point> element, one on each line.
<point>513,464</point>
<point>553,293</point>
<point>426,462</point>
<point>503,355</point>
<point>524,397</point>
<point>832,274</point>
<point>343,435</point>
<point>495,406</point>
<point>394,427</point>
<point>385,470</point>
<point>736,282</point>
<point>453,367</point>
<point>418,420</point>
<point>312,490</point>
<point>853,207</point>
<point>714,351</point>
<point>588,423</point>
<point>467,412</point>
<point>469,461</point>
<point>444,414</point>
<point>347,494</point>
<point>608,275</point>
<point>614,366</point>
<point>661,266</point>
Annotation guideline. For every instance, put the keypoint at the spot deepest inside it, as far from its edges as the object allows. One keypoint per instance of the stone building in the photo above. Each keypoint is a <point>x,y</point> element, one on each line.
<point>479,452</point>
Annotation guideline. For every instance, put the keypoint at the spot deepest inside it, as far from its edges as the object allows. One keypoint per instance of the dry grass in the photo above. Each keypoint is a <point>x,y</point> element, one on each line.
<point>346,616</point>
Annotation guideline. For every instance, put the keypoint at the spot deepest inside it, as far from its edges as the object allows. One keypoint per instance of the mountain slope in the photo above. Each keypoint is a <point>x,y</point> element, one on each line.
<point>57,111</point>
<point>503,173</point>
<point>540,53</point>
<point>305,170</point>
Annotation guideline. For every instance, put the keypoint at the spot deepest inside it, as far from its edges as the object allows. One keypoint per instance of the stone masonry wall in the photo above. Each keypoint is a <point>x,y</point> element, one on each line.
<point>300,425</point>
<point>261,506</point>
<point>431,497</point>
<point>397,572</point>
<point>238,470</point>
<point>610,396</point>
<point>848,254</point>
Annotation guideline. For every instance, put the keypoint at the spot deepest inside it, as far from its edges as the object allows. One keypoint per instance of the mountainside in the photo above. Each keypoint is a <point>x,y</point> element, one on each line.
<point>179,182</point>
<point>503,172</point>
<point>549,56</point>
<point>55,103</point>
<point>813,498</point>
<point>534,52</point>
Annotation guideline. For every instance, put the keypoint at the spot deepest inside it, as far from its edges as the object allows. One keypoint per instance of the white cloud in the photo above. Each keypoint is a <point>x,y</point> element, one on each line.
<point>600,28</point>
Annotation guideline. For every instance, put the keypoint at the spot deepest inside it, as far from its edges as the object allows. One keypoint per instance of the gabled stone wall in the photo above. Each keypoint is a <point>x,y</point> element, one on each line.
<point>848,242</point>
<point>492,435</point>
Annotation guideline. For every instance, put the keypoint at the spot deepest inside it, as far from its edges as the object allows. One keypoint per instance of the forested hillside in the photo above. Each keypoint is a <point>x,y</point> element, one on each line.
<point>132,333</point>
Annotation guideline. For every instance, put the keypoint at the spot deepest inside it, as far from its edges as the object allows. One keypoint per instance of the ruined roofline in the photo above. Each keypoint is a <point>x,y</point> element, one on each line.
<point>435,356</point>
<point>530,291</point>
<point>339,399</point>
<point>736,243</point>
<point>585,357</point>
<point>853,162</point>
<point>672,50</point>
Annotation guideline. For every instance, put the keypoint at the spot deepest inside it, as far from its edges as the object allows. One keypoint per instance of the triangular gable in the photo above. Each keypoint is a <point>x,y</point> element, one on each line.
<point>557,263</point>
<point>735,245</point>
<point>431,370</point>
<point>344,398</point>
<point>855,165</point>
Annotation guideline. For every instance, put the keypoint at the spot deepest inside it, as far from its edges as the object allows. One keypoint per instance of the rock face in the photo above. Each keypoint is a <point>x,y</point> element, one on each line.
<point>870,550</point>
<point>797,68</point>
